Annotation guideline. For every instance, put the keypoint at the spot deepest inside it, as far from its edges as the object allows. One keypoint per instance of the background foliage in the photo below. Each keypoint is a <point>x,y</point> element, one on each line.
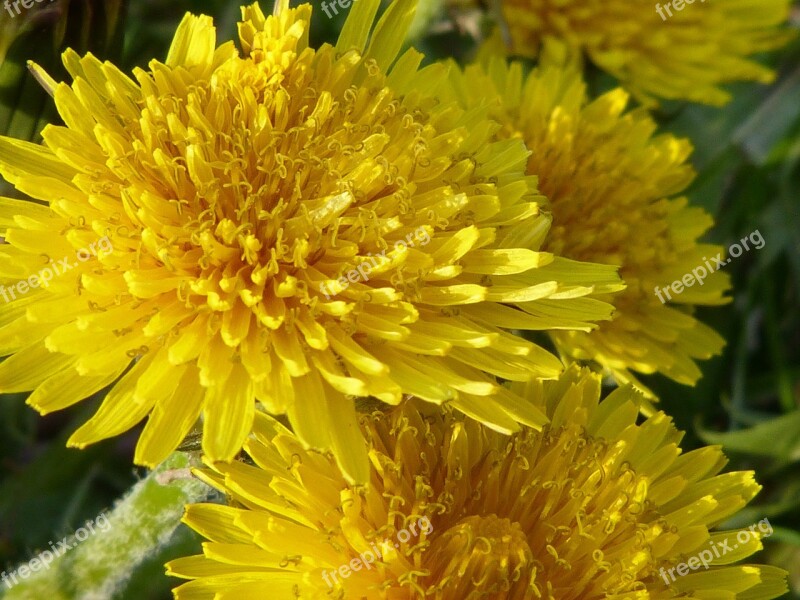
<point>748,161</point>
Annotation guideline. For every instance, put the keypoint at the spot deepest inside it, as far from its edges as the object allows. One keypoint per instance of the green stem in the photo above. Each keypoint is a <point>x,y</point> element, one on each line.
<point>137,527</point>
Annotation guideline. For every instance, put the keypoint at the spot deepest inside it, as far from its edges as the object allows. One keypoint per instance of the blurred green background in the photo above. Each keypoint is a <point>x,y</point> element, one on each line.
<point>748,161</point>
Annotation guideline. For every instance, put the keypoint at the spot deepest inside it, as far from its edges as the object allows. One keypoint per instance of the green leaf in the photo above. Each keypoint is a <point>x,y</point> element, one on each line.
<point>24,106</point>
<point>759,135</point>
<point>776,438</point>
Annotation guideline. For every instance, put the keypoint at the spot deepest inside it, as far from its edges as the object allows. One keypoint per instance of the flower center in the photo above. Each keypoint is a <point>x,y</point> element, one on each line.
<point>478,557</point>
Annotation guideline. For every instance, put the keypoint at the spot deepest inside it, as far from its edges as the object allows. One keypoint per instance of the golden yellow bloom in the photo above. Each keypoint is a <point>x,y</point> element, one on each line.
<point>291,225</point>
<point>609,181</point>
<point>688,55</point>
<point>592,506</point>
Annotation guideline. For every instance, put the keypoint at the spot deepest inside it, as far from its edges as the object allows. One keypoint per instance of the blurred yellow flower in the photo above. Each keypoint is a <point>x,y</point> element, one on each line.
<point>237,192</point>
<point>592,506</point>
<point>609,181</point>
<point>688,55</point>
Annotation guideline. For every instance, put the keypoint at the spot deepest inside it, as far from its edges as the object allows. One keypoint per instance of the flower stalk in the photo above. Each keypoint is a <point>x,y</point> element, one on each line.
<point>139,525</point>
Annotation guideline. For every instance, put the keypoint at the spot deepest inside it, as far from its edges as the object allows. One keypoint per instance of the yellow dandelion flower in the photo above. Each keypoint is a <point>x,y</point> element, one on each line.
<point>291,225</point>
<point>653,48</point>
<point>592,506</point>
<point>609,180</point>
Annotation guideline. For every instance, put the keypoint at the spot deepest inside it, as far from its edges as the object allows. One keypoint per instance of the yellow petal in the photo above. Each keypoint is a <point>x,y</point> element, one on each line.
<point>228,415</point>
<point>194,43</point>
<point>171,418</point>
<point>29,367</point>
<point>119,411</point>
<point>67,388</point>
